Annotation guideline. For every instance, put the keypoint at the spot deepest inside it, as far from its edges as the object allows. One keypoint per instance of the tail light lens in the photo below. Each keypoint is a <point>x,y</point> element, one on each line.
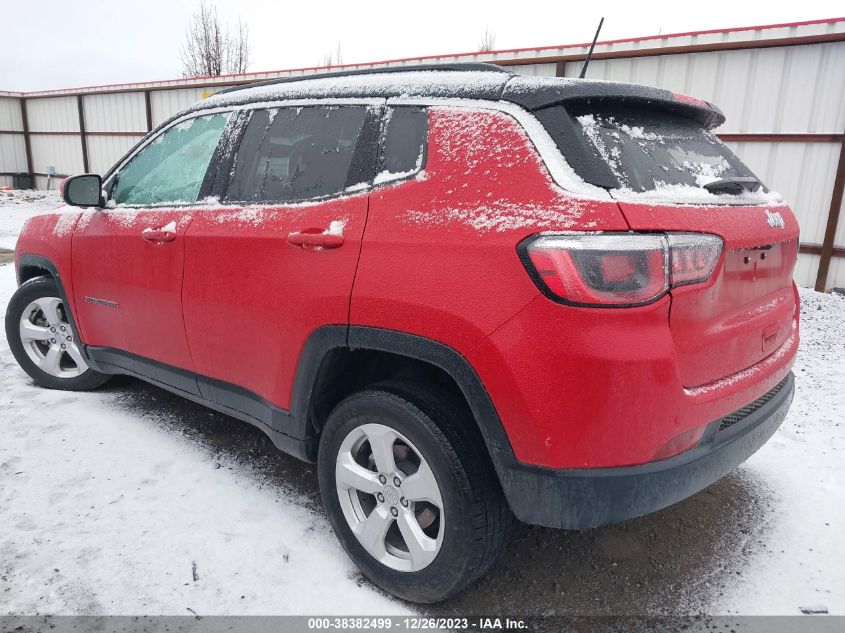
<point>618,269</point>
<point>693,257</point>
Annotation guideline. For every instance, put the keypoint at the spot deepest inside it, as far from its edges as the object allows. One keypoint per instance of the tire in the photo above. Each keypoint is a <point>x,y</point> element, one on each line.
<point>36,308</point>
<point>469,532</point>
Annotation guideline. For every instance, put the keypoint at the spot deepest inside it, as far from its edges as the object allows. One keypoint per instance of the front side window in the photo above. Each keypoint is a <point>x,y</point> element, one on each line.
<point>290,154</point>
<point>172,167</point>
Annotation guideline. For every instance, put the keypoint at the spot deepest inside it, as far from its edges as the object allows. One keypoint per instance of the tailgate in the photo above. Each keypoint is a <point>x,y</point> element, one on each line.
<point>745,311</point>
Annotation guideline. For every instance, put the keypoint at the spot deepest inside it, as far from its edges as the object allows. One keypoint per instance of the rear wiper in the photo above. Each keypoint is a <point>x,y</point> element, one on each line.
<point>734,185</point>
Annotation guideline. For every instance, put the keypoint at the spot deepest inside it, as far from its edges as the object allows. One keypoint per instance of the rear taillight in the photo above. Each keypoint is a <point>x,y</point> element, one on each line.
<point>693,257</point>
<point>618,269</point>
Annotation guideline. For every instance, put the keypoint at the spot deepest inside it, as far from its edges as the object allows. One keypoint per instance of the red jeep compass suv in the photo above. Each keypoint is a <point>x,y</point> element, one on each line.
<point>464,293</point>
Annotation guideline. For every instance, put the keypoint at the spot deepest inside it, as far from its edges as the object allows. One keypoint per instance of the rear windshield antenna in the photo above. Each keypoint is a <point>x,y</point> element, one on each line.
<point>590,54</point>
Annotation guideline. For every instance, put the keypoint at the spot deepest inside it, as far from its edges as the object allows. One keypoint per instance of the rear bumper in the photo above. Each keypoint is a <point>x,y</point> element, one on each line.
<point>586,498</point>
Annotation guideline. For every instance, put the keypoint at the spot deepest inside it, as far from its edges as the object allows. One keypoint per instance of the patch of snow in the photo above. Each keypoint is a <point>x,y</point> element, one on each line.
<point>336,227</point>
<point>499,216</point>
<point>65,223</point>
<point>705,172</point>
<point>17,206</point>
<point>441,83</point>
<point>244,215</point>
<point>590,125</point>
<point>109,510</point>
<point>188,123</point>
<point>501,148</point>
<point>813,609</point>
<point>697,196</point>
<point>167,228</point>
<point>358,186</point>
<point>794,559</point>
<point>389,176</point>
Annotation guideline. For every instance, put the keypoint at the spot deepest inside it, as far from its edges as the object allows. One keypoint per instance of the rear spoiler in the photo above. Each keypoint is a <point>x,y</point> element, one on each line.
<point>527,92</point>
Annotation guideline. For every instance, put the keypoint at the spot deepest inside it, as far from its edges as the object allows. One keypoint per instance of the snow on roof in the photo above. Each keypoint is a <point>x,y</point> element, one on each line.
<point>435,83</point>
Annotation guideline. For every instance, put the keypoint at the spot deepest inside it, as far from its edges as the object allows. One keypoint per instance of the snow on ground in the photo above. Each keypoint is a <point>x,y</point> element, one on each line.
<point>17,206</point>
<point>802,470</point>
<point>104,512</point>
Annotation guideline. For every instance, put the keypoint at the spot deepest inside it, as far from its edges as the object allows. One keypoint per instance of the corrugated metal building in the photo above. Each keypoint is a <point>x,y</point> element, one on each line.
<point>782,88</point>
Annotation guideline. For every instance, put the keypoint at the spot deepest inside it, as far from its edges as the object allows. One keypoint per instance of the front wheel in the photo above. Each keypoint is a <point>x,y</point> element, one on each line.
<point>410,491</point>
<point>42,341</point>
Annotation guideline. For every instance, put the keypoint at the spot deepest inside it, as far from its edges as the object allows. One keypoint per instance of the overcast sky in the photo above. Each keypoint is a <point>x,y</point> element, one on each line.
<point>62,44</point>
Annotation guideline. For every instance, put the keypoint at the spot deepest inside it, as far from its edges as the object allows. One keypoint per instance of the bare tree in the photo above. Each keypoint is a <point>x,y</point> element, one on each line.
<point>488,40</point>
<point>332,58</point>
<point>212,48</point>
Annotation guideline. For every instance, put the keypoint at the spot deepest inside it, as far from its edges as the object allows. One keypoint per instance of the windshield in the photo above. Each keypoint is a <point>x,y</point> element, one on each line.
<point>649,150</point>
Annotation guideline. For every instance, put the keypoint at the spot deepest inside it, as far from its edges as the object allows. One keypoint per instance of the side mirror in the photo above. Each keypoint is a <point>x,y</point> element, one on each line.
<point>83,191</point>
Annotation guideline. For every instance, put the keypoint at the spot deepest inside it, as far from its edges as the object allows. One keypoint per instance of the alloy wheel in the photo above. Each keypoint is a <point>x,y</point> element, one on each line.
<point>48,339</point>
<point>390,497</point>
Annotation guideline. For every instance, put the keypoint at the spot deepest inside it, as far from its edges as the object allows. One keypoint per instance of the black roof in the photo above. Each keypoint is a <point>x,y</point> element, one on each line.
<point>464,81</point>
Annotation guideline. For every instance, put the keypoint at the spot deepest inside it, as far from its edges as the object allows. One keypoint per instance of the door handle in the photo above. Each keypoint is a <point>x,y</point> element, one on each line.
<point>315,238</point>
<point>158,235</point>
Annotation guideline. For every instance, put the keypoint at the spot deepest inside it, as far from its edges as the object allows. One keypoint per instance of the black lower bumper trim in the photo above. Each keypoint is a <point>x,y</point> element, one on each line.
<point>586,498</point>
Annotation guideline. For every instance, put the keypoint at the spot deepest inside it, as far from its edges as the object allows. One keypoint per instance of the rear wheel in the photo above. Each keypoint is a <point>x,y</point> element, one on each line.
<point>410,491</point>
<point>41,339</point>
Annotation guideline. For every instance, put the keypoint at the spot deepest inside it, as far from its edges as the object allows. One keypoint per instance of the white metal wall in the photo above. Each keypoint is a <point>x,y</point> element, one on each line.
<point>117,112</point>
<point>10,114</point>
<point>166,103</point>
<point>105,151</point>
<point>12,146</point>
<point>123,112</point>
<point>535,70</point>
<point>795,89</point>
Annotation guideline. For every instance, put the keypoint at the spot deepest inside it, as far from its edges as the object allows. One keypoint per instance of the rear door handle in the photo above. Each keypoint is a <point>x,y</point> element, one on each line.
<point>315,237</point>
<point>158,235</point>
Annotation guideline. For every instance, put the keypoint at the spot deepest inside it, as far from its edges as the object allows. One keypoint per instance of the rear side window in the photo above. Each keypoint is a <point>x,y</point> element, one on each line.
<point>652,150</point>
<point>172,167</point>
<point>403,144</point>
<point>290,154</point>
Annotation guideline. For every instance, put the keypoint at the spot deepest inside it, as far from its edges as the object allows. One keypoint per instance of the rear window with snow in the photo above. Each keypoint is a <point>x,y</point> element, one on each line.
<point>289,154</point>
<point>649,150</point>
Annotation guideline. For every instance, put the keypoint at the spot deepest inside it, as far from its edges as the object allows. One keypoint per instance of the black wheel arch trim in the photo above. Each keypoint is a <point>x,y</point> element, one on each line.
<point>449,360</point>
<point>31,261</point>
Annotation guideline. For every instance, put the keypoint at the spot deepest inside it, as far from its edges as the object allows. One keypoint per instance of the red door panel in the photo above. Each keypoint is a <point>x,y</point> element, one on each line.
<point>259,280</point>
<point>128,266</point>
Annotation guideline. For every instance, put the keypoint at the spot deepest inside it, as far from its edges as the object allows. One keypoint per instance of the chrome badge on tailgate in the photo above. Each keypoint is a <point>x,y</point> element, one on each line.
<point>775,219</point>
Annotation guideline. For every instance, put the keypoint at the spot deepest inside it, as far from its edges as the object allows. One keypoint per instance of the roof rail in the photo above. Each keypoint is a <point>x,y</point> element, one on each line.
<point>453,67</point>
